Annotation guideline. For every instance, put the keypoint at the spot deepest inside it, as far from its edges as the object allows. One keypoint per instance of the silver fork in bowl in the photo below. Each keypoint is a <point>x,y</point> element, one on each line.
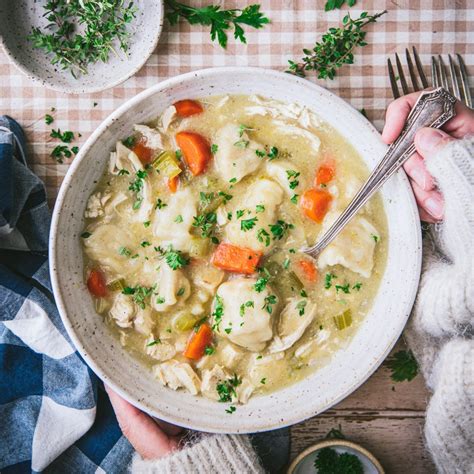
<point>432,109</point>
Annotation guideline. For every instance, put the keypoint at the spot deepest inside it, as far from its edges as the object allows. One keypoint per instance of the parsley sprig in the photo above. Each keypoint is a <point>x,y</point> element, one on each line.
<point>335,48</point>
<point>219,20</point>
<point>403,366</point>
<point>81,33</point>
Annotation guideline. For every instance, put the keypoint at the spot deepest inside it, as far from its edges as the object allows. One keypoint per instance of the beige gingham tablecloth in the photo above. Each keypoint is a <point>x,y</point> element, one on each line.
<point>433,26</point>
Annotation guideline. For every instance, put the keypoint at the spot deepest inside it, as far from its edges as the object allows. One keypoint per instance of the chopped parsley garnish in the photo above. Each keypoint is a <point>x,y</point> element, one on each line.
<point>160,204</point>
<point>301,306</point>
<point>231,409</point>
<point>86,235</point>
<point>226,389</point>
<point>279,228</point>
<point>269,301</point>
<point>179,219</point>
<point>129,141</point>
<point>66,137</point>
<point>206,198</point>
<point>209,350</point>
<point>357,286</point>
<point>403,366</point>
<point>125,251</point>
<point>260,153</point>
<point>147,223</point>
<point>123,172</point>
<point>214,148</point>
<point>136,187</point>
<point>175,259</point>
<point>160,300</point>
<point>303,294</point>
<point>292,176</point>
<point>243,128</point>
<point>328,280</point>
<point>217,313</point>
<point>154,342</point>
<point>233,180</point>
<point>260,284</point>
<point>329,461</point>
<point>344,288</point>
<point>180,291</point>
<point>225,196</point>
<point>264,237</point>
<point>263,381</point>
<point>139,294</point>
<point>49,119</point>
<point>375,237</point>
<point>239,213</point>
<point>248,224</point>
<point>247,304</point>
<point>259,208</point>
<point>228,330</point>
<point>60,152</point>
<point>273,153</point>
<point>286,263</point>
<point>294,199</point>
<point>145,243</point>
<point>206,223</point>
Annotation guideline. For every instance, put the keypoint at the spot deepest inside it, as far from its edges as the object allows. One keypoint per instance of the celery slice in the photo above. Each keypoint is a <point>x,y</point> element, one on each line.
<point>167,164</point>
<point>116,285</point>
<point>344,320</point>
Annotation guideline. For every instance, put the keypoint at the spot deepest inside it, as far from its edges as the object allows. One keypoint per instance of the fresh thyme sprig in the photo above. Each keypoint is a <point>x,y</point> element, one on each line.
<point>219,20</point>
<point>102,24</point>
<point>335,48</point>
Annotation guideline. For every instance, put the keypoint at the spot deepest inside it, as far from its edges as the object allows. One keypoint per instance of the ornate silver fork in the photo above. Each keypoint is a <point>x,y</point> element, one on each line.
<point>433,109</point>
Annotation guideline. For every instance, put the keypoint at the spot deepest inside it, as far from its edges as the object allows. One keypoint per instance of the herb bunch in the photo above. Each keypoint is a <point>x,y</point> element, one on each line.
<point>403,366</point>
<point>335,48</point>
<point>80,33</point>
<point>220,21</point>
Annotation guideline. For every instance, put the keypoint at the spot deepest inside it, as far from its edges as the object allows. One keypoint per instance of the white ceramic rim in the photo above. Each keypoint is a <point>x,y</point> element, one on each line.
<point>224,426</point>
<point>88,90</point>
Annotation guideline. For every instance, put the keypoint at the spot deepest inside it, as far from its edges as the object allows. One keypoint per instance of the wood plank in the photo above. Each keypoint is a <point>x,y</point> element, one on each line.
<point>396,441</point>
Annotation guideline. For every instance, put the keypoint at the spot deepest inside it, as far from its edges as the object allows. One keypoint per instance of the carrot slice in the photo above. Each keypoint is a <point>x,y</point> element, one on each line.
<point>196,151</point>
<point>96,283</point>
<point>315,204</point>
<point>173,184</point>
<point>325,173</point>
<point>309,270</point>
<point>186,108</point>
<point>236,259</point>
<point>198,342</point>
<point>144,153</point>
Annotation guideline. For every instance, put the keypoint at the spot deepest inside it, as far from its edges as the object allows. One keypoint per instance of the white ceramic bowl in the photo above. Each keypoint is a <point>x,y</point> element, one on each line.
<point>348,369</point>
<point>17,18</point>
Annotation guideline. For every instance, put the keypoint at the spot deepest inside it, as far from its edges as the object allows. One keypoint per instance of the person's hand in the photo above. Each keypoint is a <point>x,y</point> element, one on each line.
<point>152,439</point>
<point>428,142</point>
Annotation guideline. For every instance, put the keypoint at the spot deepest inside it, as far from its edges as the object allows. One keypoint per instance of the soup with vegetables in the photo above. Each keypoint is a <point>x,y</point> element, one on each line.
<point>192,245</point>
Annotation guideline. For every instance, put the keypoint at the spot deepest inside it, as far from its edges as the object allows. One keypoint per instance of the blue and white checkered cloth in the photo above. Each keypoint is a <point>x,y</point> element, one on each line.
<point>54,413</point>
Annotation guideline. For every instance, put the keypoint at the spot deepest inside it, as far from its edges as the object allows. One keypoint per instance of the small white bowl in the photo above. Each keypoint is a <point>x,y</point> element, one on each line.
<point>17,18</point>
<point>347,370</point>
<point>304,462</point>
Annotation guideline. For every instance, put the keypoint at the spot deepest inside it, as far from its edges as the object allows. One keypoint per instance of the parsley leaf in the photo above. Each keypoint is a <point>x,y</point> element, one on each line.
<point>248,224</point>
<point>329,461</point>
<point>279,229</point>
<point>403,366</point>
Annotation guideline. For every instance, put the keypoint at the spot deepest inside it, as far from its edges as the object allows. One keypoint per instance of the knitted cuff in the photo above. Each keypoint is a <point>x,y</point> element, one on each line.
<point>211,454</point>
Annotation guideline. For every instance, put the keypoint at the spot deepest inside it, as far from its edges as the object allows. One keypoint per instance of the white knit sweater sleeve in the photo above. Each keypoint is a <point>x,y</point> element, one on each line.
<point>211,454</point>
<point>441,329</point>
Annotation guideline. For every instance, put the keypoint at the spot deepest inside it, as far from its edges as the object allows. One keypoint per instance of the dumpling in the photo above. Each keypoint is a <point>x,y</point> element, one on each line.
<point>246,318</point>
<point>268,196</point>
<point>173,287</point>
<point>353,248</point>
<point>286,175</point>
<point>104,246</point>
<point>235,157</point>
<point>297,315</point>
<point>168,229</point>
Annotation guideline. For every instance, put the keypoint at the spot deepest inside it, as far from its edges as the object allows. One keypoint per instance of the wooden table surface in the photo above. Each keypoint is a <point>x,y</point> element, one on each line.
<point>385,417</point>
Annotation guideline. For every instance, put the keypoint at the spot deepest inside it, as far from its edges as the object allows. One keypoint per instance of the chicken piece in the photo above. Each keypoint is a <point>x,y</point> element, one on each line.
<point>235,157</point>
<point>95,205</point>
<point>173,287</point>
<point>245,390</point>
<point>176,232</point>
<point>123,310</point>
<point>246,318</point>
<point>167,118</point>
<point>230,355</point>
<point>154,139</point>
<point>210,379</point>
<point>144,322</point>
<point>297,315</point>
<point>177,375</point>
<point>159,349</point>
<point>268,196</point>
<point>353,248</point>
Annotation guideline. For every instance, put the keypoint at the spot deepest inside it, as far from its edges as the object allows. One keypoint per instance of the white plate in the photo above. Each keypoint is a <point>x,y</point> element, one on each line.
<point>17,18</point>
<point>347,370</point>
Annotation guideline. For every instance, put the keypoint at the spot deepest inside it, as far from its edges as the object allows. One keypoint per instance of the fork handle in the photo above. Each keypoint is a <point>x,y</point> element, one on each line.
<point>432,109</point>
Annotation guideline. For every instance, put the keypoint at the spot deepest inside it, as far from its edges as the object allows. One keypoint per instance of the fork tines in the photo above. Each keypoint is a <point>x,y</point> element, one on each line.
<point>457,82</point>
